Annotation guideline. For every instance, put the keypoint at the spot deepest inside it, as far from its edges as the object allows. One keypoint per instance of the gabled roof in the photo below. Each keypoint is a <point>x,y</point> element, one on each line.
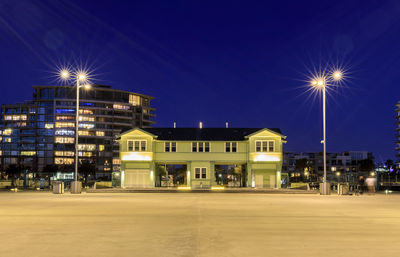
<point>204,134</point>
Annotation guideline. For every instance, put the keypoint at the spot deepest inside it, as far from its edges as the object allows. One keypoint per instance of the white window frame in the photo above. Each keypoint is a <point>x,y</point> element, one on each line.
<point>261,146</point>
<point>170,147</point>
<point>203,144</point>
<point>201,172</point>
<point>140,144</point>
<point>231,147</point>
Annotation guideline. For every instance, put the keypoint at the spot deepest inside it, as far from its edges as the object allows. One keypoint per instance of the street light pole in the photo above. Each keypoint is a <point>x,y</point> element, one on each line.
<point>321,82</point>
<point>75,184</point>
<point>324,128</point>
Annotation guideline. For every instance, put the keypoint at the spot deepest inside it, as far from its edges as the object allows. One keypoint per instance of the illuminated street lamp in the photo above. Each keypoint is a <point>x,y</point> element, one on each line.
<point>321,82</point>
<point>78,77</point>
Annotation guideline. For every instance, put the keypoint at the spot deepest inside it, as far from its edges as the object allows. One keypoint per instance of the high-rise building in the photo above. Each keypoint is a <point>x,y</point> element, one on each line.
<point>42,131</point>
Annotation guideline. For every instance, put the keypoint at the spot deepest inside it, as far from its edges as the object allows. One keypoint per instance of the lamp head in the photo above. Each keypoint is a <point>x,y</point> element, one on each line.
<point>337,75</point>
<point>81,76</point>
<point>64,74</point>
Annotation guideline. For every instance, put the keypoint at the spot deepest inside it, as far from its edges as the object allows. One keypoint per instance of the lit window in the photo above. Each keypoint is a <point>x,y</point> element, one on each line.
<point>28,153</point>
<point>121,107</point>
<point>8,117</point>
<point>64,153</point>
<point>65,118</point>
<point>134,100</point>
<point>116,161</point>
<point>86,118</point>
<point>7,132</point>
<point>65,125</point>
<point>49,125</point>
<point>64,140</point>
<point>100,133</point>
<point>85,154</point>
<point>84,111</point>
<point>86,125</point>
<point>64,132</point>
<point>83,133</point>
<point>101,148</point>
<point>7,139</point>
<point>66,161</point>
<point>86,147</point>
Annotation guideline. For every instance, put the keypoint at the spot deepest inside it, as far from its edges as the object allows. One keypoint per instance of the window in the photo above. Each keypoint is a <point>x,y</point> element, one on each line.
<point>200,173</point>
<point>265,146</point>
<point>227,147</point>
<point>231,147</point>
<point>100,133</point>
<point>28,153</point>
<point>201,147</point>
<point>63,161</point>
<point>130,146</point>
<point>64,140</point>
<point>65,117</point>
<point>170,147</point>
<point>65,125</point>
<point>234,147</point>
<point>137,146</point>
<point>271,146</point>
<point>64,153</point>
<point>64,132</point>
<point>86,147</point>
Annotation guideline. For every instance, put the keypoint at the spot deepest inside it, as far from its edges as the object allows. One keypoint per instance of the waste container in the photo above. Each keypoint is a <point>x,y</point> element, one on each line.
<point>58,187</point>
<point>343,189</point>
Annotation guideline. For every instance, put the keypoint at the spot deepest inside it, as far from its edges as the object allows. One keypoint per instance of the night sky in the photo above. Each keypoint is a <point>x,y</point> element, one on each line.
<point>242,62</point>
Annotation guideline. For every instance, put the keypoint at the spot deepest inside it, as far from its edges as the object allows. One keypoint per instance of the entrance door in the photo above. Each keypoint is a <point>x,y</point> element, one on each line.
<point>272,181</point>
<point>259,181</point>
<point>137,178</point>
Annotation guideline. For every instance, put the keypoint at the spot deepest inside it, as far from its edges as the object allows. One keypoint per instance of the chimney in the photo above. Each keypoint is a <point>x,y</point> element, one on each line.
<point>226,125</point>
<point>174,124</point>
<point>201,125</point>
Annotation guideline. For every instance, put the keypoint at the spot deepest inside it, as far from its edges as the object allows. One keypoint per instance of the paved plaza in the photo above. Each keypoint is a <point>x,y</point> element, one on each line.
<point>198,224</point>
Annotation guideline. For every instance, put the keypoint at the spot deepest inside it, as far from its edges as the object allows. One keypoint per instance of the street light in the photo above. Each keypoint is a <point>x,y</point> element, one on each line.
<point>321,82</point>
<point>78,76</point>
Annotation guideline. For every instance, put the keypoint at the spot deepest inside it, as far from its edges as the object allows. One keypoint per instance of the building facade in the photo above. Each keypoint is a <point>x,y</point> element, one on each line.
<point>345,167</point>
<point>201,157</point>
<point>42,132</point>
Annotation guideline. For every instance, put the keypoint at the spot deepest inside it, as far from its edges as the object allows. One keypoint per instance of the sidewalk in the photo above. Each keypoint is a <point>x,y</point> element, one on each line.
<point>225,190</point>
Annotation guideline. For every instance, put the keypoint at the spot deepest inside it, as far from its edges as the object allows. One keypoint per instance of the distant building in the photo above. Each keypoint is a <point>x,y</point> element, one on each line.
<point>345,166</point>
<point>41,132</point>
<point>204,157</point>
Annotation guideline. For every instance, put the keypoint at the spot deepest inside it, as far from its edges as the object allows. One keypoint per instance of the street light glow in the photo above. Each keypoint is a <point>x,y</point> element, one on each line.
<point>64,74</point>
<point>337,75</point>
<point>88,86</point>
<point>81,76</point>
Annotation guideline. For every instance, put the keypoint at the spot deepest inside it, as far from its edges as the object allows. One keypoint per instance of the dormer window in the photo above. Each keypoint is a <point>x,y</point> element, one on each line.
<point>265,146</point>
<point>137,145</point>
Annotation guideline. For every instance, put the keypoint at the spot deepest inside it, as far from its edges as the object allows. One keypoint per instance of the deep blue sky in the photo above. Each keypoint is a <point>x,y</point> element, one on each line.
<point>245,62</point>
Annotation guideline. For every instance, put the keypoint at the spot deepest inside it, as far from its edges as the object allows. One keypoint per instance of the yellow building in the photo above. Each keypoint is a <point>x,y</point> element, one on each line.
<point>201,157</point>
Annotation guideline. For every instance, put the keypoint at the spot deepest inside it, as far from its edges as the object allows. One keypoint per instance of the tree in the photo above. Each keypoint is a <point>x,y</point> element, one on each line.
<point>367,165</point>
<point>50,169</point>
<point>87,168</point>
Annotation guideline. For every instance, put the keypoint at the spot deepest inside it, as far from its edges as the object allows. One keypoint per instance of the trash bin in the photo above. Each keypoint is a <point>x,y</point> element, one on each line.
<point>58,187</point>
<point>343,189</point>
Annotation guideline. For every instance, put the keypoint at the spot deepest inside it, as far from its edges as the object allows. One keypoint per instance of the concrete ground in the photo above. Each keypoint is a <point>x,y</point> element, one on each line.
<point>190,224</point>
